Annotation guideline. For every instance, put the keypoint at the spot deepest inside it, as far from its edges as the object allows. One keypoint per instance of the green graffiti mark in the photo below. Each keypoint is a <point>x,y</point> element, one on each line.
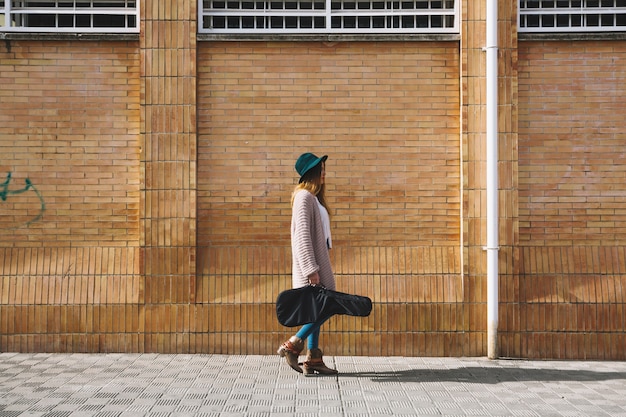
<point>5,192</point>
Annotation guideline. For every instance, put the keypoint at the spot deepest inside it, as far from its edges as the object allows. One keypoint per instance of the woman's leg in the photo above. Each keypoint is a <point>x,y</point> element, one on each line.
<point>314,361</point>
<point>311,331</point>
<point>291,348</point>
<point>314,339</point>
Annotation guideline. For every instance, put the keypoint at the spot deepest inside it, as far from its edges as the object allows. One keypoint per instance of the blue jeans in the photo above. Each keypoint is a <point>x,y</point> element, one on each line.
<point>311,331</point>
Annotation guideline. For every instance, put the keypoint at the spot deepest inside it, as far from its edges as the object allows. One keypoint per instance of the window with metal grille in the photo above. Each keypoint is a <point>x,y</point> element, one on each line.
<point>328,16</point>
<point>572,15</point>
<point>111,16</point>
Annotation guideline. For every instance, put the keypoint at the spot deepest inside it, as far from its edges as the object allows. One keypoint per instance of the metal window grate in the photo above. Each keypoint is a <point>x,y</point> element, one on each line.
<point>328,16</point>
<point>111,16</point>
<point>572,15</point>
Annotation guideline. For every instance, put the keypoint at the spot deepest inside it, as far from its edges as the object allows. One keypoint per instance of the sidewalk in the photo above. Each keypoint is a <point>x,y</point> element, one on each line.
<point>59,385</point>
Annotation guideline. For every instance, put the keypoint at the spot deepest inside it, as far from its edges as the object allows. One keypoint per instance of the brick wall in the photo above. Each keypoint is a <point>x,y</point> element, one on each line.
<point>123,231</point>
<point>387,114</point>
<point>69,213</point>
<point>572,143</point>
<point>69,123</point>
<point>567,299</point>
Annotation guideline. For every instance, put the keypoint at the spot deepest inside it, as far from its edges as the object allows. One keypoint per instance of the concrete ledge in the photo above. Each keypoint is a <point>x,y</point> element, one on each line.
<point>53,36</point>
<point>596,36</point>
<point>330,37</point>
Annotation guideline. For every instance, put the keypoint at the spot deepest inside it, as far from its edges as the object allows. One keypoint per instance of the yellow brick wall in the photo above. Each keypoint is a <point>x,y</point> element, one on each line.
<point>567,298</point>
<point>69,257</point>
<point>572,143</point>
<point>69,123</point>
<point>168,161</point>
<point>387,114</point>
<point>147,207</point>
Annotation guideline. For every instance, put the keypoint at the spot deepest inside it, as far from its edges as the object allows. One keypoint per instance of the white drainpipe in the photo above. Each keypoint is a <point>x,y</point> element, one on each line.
<point>492,178</point>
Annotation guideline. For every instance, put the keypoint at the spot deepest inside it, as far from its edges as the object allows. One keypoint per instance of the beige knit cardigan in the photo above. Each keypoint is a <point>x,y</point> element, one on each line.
<point>308,244</point>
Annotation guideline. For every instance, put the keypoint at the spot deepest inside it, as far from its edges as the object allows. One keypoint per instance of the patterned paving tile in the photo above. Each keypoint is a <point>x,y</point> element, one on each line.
<point>80,385</point>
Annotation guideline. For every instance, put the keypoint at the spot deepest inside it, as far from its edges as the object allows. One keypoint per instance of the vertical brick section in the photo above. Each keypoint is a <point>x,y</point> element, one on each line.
<point>168,122</point>
<point>474,155</point>
<point>508,264</point>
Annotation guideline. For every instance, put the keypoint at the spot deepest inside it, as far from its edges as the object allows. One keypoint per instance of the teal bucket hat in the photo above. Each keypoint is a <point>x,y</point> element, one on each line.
<point>307,161</point>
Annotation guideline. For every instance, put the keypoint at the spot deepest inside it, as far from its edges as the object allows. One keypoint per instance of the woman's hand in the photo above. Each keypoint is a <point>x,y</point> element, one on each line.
<point>314,278</point>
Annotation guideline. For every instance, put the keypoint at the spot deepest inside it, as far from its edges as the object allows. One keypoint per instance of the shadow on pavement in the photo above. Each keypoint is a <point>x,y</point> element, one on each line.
<point>481,375</point>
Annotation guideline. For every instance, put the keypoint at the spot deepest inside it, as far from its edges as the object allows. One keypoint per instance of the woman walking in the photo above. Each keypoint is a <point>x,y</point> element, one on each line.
<point>310,244</point>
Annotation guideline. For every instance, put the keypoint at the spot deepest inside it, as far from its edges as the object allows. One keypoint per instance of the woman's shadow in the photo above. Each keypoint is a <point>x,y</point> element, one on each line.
<point>486,375</point>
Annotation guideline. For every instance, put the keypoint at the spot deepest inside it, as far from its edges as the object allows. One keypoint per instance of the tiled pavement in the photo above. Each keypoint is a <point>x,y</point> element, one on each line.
<point>221,385</point>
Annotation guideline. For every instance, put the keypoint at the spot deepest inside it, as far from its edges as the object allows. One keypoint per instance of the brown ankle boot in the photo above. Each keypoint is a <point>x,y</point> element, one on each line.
<point>290,350</point>
<point>315,364</point>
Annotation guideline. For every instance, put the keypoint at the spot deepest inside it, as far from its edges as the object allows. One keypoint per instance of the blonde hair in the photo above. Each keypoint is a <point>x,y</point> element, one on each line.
<point>312,182</point>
